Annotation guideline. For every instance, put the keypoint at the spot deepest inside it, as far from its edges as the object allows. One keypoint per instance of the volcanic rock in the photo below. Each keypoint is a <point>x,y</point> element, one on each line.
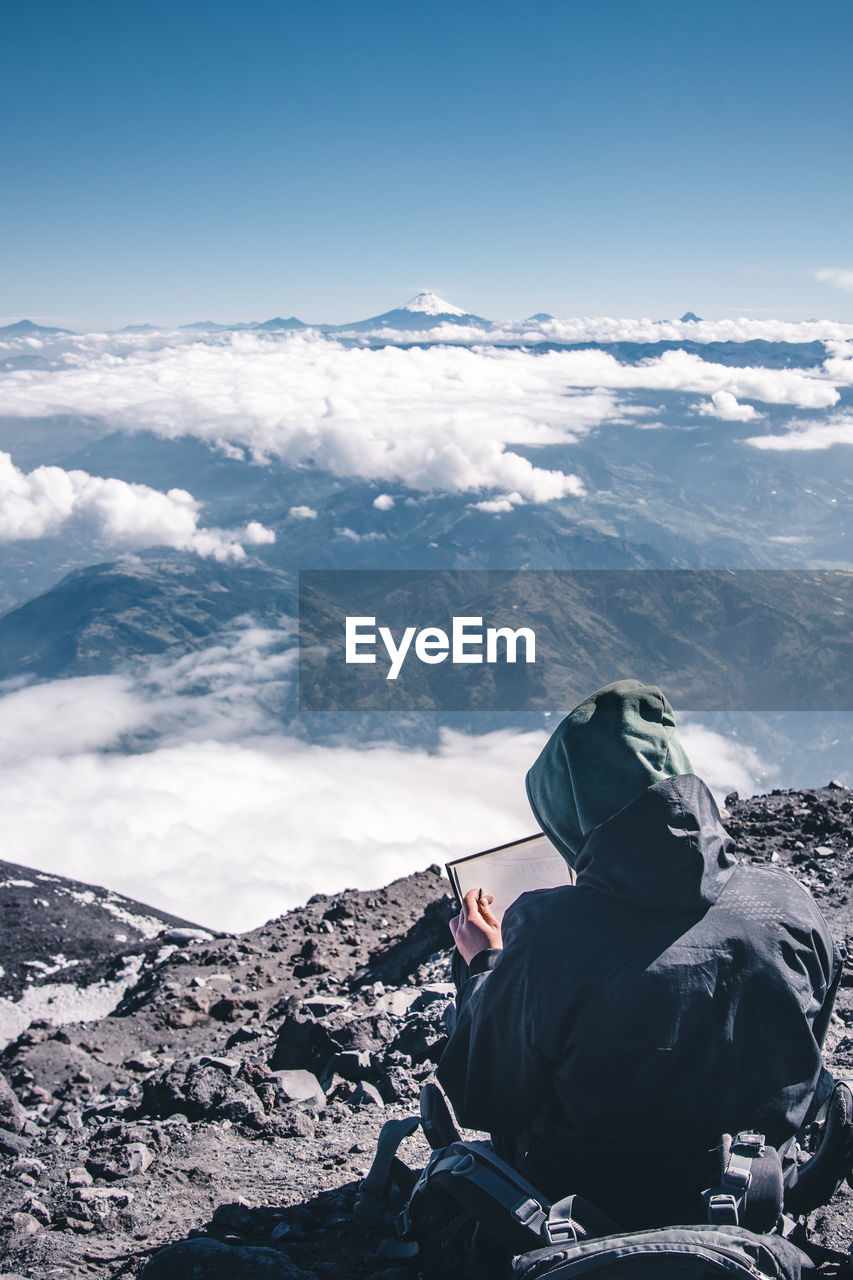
<point>200,1091</point>
<point>210,1260</point>
<point>11,1112</point>
<point>299,1086</point>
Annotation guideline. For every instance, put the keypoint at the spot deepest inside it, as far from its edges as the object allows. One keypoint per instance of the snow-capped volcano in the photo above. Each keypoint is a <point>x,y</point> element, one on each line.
<point>431,305</point>
<point>425,311</point>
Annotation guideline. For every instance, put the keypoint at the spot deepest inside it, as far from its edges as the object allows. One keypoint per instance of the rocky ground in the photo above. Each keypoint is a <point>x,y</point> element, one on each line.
<point>231,1103</point>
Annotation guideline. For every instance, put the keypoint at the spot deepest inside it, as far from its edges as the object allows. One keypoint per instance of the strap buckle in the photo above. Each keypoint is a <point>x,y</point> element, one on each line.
<point>722,1209</point>
<point>738,1172</point>
<point>530,1214</point>
<point>561,1230</point>
<point>748,1143</point>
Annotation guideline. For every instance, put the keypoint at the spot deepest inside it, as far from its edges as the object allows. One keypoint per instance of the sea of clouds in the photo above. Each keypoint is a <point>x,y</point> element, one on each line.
<point>433,418</point>
<point>179,785</point>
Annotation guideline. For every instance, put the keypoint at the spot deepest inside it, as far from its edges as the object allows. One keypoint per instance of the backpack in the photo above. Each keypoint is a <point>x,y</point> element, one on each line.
<point>471,1214</point>
<point>699,1252</point>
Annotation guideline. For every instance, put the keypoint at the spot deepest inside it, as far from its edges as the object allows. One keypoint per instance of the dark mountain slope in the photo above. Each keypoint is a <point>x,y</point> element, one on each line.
<point>56,930</point>
<point>99,617</point>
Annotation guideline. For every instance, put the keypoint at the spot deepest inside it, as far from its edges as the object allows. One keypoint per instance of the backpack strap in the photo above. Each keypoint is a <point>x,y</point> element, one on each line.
<point>750,1190</point>
<point>439,1129</point>
<point>578,1218</point>
<point>473,1178</point>
<point>479,1178</point>
<point>818,1179</point>
<point>392,1133</point>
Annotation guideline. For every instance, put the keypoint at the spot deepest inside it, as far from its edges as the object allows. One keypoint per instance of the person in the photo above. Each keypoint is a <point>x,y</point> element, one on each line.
<point>609,1033</point>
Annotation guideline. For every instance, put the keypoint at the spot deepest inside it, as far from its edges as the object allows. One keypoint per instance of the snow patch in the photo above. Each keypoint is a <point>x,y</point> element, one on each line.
<point>148,926</point>
<point>430,304</point>
<point>63,1002</point>
<point>85,898</point>
<point>45,969</point>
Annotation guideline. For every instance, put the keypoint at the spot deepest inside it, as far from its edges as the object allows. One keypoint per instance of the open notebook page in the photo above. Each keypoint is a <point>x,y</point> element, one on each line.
<point>510,870</point>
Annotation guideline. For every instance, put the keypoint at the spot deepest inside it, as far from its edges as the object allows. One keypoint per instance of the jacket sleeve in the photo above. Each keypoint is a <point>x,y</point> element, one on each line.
<point>835,966</point>
<point>493,1069</point>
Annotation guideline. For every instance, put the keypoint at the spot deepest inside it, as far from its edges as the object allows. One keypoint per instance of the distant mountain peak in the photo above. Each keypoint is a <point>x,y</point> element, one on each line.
<point>278,322</point>
<point>26,328</point>
<point>690,315</point>
<point>423,311</point>
<point>431,305</point>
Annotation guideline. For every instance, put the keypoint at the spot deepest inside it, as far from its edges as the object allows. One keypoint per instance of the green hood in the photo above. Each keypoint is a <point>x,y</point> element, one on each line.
<point>607,751</point>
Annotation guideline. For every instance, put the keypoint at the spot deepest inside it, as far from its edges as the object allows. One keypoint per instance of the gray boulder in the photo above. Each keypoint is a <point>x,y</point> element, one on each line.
<point>299,1086</point>
<point>302,1043</point>
<point>201,1091</point>
<point>209,1260</point>
<point>11,1112</point>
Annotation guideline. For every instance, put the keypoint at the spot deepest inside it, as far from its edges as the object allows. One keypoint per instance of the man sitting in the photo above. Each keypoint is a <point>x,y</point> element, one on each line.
<point>611,1031</point>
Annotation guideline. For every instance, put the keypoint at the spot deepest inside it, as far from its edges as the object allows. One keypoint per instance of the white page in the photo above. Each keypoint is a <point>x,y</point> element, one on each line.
<point>511,870</point>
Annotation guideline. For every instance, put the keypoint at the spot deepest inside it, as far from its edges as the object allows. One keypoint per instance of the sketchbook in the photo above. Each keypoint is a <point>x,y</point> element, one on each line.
<point>510,870</point>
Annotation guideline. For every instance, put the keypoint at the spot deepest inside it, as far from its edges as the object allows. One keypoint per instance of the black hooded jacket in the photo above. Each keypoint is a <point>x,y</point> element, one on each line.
<point>671,995</point>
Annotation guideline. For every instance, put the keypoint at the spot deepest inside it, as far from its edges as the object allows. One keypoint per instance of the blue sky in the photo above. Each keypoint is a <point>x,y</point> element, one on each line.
<point>182,161</point>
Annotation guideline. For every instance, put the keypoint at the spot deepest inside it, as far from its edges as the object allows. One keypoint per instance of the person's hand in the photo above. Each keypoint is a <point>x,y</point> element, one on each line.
<point>475,929</point>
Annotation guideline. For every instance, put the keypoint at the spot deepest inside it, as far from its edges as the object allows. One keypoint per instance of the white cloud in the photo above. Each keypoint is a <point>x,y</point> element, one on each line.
<point>726,406</point>
<point>805,436</point>
<point>257,535</point>
<point>836,276</point>
<point>683,371</point>
<point>839,365</point>
<point>302,513</point>
<point>231,690</point>
<point>724,762</point>
<point>64,717</point>
<point>226,821</point>
<point>612,329</point>
<point>439,419</point>
<point>493,506</point>
<point>574,329</point>
<point>229,834</point>
<point>351,536</point>
<point>49,500</point>
<point>737,329</point>
<point>442,418</point>
<point>384,502</point>
<point>500,505</point>
<point>435,419</point>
